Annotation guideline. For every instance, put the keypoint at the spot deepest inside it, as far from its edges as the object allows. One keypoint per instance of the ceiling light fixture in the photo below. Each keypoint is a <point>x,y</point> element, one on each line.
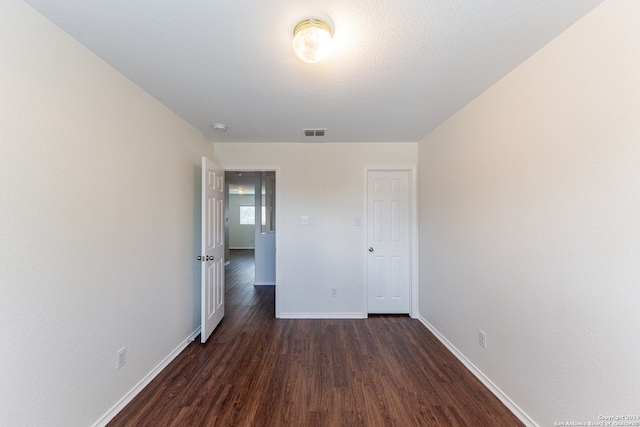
<point>312,40</point>
<point>220,127</point>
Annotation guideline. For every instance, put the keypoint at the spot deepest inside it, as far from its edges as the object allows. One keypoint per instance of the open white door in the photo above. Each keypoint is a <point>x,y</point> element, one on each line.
<point>212,247</point>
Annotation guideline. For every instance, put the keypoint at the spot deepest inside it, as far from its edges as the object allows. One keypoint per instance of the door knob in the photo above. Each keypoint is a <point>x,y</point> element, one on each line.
<point>199,258</point>
<point>370,248</point>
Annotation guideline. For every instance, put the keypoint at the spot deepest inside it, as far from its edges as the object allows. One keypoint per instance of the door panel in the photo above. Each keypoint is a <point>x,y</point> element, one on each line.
<point>212,309</point>
<point>388,226</point>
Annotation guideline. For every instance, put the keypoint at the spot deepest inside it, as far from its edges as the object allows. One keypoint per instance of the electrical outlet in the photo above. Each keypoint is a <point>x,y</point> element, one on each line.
<point>334,292</point>
<point>482,339</point>
<point>121,357</point>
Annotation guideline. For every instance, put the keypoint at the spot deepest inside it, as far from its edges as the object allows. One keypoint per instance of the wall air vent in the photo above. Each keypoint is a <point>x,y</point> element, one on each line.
<point>314,132</point>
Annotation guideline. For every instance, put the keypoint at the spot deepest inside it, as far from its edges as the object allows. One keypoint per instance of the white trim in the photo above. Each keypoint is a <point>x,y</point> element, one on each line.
<point>413,233</point>
<point>515,409</point>
<point>365,240</point>
<point>115,409</point>
<point>415,283</point>
<point>323,315</point>
<point>235,248</point>
<point>263,283</point>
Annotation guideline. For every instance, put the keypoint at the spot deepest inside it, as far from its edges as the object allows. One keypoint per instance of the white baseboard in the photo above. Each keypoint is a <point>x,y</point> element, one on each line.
<point>515,409</point>
<point>322,316</point>
<point>241,248</point>
<point>115,409</point>
<point>262,283</point>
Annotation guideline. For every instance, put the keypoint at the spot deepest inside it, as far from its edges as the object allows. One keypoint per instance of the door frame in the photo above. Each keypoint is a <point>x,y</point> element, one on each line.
<point>413,233</point>
<point>276,169</point>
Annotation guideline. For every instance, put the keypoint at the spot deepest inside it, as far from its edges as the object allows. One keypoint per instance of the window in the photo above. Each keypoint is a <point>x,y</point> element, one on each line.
<point>248,215</point>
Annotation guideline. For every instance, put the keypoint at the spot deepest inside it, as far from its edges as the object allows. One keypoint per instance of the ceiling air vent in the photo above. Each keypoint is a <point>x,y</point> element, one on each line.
<point>314,132</point>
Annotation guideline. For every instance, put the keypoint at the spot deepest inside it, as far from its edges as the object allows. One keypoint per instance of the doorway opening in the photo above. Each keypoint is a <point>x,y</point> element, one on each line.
<point>250,222</point>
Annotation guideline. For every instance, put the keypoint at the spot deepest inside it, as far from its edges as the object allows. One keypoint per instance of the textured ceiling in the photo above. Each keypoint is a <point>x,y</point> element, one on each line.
<point>398,70</point>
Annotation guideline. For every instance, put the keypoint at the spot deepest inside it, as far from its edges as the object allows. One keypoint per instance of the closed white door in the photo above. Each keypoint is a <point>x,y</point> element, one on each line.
<point>212,257</point>
<point>388,226</point>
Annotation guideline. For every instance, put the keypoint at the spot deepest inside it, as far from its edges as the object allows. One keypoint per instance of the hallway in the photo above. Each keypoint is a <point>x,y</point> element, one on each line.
<point>239,274</point>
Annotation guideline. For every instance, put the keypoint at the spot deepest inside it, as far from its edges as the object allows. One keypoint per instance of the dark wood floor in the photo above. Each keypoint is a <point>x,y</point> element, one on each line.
<point>256,370</point>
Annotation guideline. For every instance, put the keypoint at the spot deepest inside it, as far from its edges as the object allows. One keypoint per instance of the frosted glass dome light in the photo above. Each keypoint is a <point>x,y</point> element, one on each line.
<point>312,40</point>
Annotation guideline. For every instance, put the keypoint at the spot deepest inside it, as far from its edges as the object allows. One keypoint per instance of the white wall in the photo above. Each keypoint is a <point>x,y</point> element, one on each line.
<point>265,253</point>
<point>530,224</point>
<point>240,235</point>
<point>98,188</point>
<point>326,183</point>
